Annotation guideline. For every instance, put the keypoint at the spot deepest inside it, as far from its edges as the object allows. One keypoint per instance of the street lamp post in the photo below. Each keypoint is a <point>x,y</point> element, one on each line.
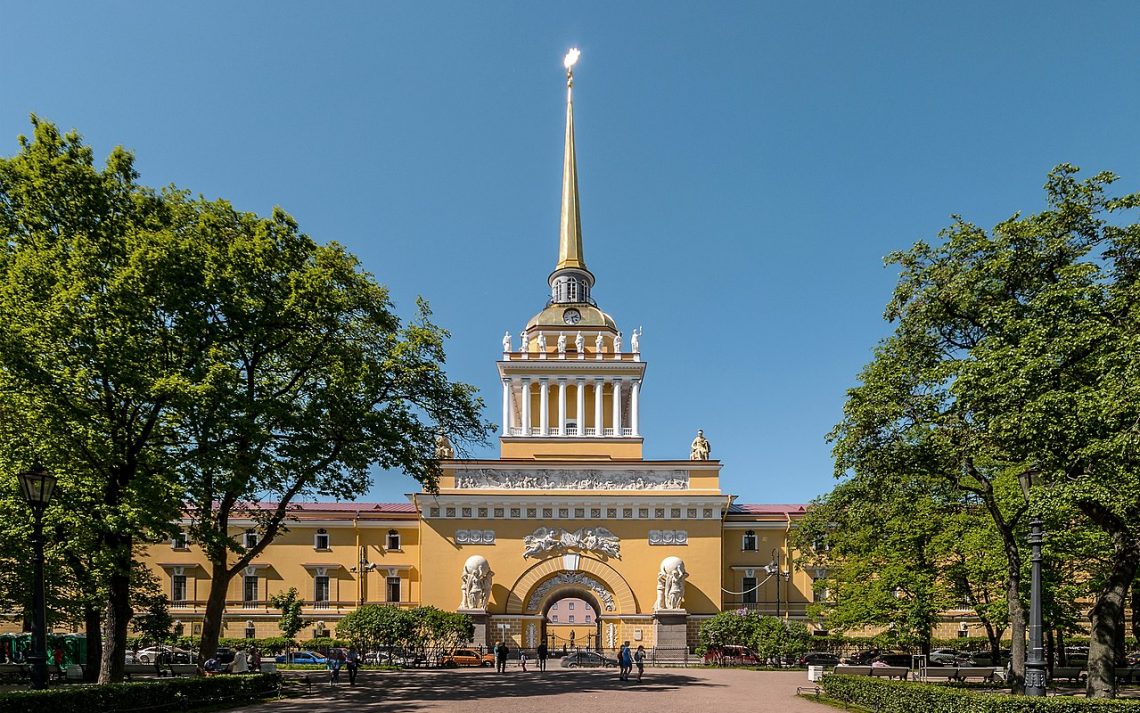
<point>38,485</point>
<point>1035,658</point>
<point>774,569</point>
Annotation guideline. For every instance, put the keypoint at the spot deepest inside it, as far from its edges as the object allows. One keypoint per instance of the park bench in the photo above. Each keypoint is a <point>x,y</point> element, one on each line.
<point>268,667</point>
<point>1076,674</point>
<point>849,670</point>
<point>986,673</point>
<point>183,669</point>
<point>139,669</point>
<point>1128,674</point>
<point>946,673</point>
<point>13,671</point>
<point>899,672</point>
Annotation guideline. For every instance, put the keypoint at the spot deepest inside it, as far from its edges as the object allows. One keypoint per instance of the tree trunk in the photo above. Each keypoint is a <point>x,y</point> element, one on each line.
<point>1050,650</point>
<point>995,640</point>
<point>215,609</point>
<point>1107,620</point>
<point>117,619</point>
<point>1136,611</point>
<point>93,625</point>
<point>1062,655</point>
<point>1017,638</point>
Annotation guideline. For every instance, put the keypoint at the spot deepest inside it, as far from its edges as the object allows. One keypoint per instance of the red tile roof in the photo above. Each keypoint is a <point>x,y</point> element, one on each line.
<point>757,509</point>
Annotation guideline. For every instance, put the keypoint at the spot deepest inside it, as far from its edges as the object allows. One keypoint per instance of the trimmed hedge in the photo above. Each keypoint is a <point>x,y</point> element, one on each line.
<point>888,696</point>
<point>144,695</point>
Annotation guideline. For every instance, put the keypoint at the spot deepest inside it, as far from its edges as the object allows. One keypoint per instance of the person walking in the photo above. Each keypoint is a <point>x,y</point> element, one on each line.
<point>639,660</point>
<point>352,661</point>
<point>522,659</point>
<point>501,652</point>
<point>335,662</point>
<point>255,660</point>
<point>625,662</point>
<point>542,653</point>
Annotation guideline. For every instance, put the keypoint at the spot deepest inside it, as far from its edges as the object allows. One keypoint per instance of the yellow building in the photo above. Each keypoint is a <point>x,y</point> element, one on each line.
<point>570,510</point>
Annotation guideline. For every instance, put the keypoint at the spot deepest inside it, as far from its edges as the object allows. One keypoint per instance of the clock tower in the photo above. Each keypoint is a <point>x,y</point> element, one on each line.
<point>572,389</point>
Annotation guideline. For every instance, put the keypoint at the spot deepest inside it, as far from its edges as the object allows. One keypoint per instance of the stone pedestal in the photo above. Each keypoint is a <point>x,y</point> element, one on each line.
<point>671,632</point>
<point>479,618</point>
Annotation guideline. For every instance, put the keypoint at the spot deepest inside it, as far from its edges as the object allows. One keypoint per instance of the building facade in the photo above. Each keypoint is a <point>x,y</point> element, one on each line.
<point>570,512</point>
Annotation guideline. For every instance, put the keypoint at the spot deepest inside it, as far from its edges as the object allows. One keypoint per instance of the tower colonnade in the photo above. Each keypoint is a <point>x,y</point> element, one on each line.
<point>582,414</point>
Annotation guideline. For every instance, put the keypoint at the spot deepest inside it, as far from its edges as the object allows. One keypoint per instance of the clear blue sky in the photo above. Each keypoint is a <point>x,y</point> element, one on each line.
<point>744,166</point>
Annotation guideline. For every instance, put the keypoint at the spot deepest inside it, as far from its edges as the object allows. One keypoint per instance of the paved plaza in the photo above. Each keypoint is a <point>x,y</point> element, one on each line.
<point>673,690</point>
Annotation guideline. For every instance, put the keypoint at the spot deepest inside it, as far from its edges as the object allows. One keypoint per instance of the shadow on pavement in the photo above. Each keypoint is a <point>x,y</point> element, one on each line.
<point>410,690</point>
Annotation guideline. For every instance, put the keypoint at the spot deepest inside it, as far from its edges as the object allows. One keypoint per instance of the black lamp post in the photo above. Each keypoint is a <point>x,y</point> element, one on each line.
<point>38,485</point>
<point>1035,657</point>
<point>774,569</point>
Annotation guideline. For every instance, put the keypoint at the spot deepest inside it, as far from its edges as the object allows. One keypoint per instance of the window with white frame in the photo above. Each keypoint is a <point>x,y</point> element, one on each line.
<point>393,540</point>
<point>749,588</point>
<point>178,587</point>
<point>587,618</point>
<point>571,618</point>
<point>749,543</point>
<point>179,541</point>
<point>554,618</point>
<point>321,539</point>
<point>321,589</point>
<point>394,589</point>
<point>570,606</point>
<point>249,590</point>
<point>250,539</point>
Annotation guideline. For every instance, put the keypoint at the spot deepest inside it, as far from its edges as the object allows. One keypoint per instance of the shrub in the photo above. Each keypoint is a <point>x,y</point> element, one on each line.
<point>151,695</point>
<point>888,696</point>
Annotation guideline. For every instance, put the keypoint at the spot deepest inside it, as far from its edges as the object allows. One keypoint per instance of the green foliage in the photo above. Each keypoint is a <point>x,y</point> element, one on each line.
<point>771,638</point>
<point>376,625</point>
<point>195,692</point>
<point>290,605</point>
<point>888,696</point>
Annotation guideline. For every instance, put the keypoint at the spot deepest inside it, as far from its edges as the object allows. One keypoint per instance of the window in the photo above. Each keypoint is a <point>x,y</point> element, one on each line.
<point>250,539</point>
<point>249,590</point>
<point>749,541</point>
<point>250,630</point>
<point>820,595</point>
<point>571,618</point>
<point>587,618</point>
<point>179,542</point>
<point>393,589</point>
<point>393,540</point>
<point>178,588</point>
<point>321,541</point>
<point>554,617</point>
<point>554,606</point>
<point>749,589</point>
<point>570,606</point>
<point>321,590</point>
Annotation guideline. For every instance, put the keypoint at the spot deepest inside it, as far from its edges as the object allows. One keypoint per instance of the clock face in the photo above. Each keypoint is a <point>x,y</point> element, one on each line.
<point>571,316</point>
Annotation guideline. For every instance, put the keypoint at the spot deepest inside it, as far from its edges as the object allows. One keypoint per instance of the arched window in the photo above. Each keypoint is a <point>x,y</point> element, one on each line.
<point>749,541</point>
<point>572,286</point>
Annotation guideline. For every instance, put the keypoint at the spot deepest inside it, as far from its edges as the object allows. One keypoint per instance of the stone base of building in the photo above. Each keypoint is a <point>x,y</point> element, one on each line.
<point>670,633</point>
<point>479,618</point>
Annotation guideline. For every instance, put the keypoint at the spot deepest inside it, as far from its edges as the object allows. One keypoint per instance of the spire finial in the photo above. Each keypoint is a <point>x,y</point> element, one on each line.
<point>570,227</point>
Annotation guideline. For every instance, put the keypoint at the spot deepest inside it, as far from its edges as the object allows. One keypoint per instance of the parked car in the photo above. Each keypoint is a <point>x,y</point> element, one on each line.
<point>466,657</point>
<point>893,658</point>
<point>731,656</point>
<point>946,657</point>
<point>863,658</point>
<point>384,658</point>
<point>818,658</point>
<point>224,655</point>
<point>310,657</point>
<point>985,658</point>
<point>588,659</point>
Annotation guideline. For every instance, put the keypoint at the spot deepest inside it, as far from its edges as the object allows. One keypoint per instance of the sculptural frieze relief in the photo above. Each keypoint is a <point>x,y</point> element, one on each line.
<point>570,578</point>
<point>549,479</point>
<point>668,537</point>
<point>588,539</point>
<point>475,537</point>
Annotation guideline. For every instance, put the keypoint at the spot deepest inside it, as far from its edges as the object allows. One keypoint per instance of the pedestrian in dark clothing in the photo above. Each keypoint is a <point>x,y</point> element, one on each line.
<point>352,661</point>
<point>501,652</point>
<point>639,661</point>
<point>625,662</point>
<point>542,653</point>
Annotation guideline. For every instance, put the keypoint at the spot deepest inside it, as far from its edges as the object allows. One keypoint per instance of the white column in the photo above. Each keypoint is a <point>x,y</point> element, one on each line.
<point>634,397</point>
<point>617,408</point>
<point>599,393</point>
<point>580,412</point>
<point>526,406</point>
<point>544,407</point>
<point>562,407</point>
<point>506,407</point>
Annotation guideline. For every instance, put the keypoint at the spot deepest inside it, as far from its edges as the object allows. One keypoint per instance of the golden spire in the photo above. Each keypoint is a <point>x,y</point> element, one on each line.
<point>570,229</point>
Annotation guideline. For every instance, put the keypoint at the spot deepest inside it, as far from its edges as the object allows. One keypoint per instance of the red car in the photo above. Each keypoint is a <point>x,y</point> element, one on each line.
<point>731,656</point>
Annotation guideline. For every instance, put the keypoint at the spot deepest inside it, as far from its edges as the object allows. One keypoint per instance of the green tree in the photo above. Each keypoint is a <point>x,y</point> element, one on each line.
<point>290,606</point>
<point>310,380</point>
<point>376,625</point>
<point>783,642</point>
<point>1016,351</point>
<point>93,350</point>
